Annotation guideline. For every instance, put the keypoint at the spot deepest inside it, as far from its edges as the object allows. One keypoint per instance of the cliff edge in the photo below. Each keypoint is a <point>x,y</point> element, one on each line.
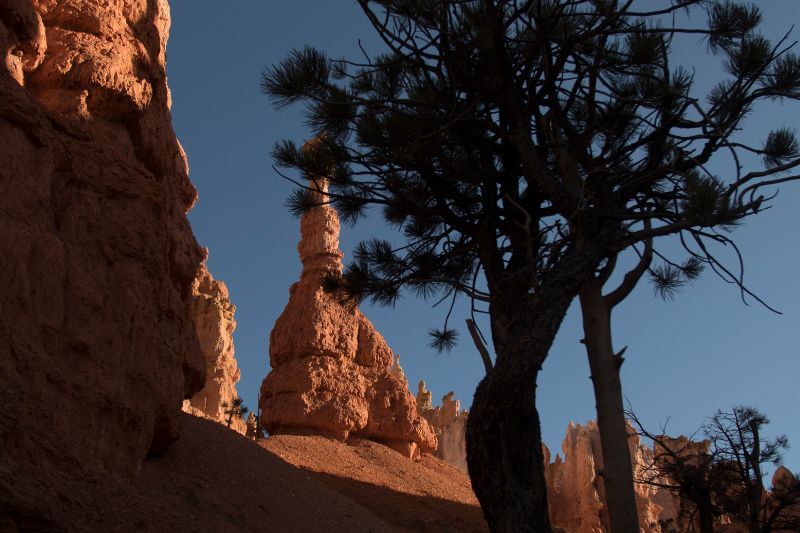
<point>96,252</point>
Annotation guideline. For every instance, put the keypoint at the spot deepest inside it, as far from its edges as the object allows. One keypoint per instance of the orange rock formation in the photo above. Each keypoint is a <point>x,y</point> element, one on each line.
<point>331,370</point>
<point>97,256</point>
<point>450,424</point>
<point>576,495</point>
<point>214,323</point>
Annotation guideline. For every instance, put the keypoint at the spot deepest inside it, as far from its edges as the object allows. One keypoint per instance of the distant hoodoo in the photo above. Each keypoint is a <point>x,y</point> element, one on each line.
<point>450,424</point>
<point>332,372</point>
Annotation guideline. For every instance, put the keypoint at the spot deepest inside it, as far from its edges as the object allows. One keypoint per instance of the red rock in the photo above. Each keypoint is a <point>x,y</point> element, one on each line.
<point>572,482</point>
<point>424,398</point>
<point>785,486</point>
<point>783,479</point>
<point>692,451</point>
<point>96,254</point>
<point>576,495</point>
<point>450,424</point>
<point>252,431</point>
<point>331,370</point>
<point>214,323</point>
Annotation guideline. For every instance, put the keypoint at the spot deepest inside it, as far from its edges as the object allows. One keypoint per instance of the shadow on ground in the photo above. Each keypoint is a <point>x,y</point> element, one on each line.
<point>213,479</point>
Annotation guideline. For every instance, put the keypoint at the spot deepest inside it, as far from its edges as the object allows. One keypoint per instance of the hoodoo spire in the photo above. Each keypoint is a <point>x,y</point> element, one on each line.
<point>319,233</point>
<point>331,370</point>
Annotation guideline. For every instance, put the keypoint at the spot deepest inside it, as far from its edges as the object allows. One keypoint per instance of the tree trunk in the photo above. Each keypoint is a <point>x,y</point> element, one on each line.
<point>504,453</point>
<point>757,496</point>
<point>505,456</point>
<point>706,519</point>
<point>617,472</point>
<point>504,445</point>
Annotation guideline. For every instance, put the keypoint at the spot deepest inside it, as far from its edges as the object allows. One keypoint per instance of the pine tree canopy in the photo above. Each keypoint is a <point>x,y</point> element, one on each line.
<point>507,137</point>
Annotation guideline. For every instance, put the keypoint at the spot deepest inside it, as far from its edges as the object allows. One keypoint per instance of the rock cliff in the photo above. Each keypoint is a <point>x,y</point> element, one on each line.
<point>572,483</point>
<point>450,424</point>
<point>576,495</point>
<point>331,370</point>
<point>97,257</point>
<point>214,323</point>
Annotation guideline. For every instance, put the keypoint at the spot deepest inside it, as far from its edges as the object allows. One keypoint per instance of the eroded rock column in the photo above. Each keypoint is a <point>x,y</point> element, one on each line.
<point>213,316</point>
<point>449,422</point>
<point>576,494</point>
<point>331,370</point>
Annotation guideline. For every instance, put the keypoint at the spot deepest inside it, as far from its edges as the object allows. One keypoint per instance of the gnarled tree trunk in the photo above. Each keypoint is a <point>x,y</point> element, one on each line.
<point>504,447</point>
<point>504,451</point>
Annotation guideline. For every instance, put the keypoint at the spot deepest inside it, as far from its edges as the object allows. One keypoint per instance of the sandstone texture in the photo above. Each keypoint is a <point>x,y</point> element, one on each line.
<point>251,427</point>
<point>331,370</point>
<point>573,486</point>
<point>649,462</point>
<point>784,482</point>
<point>450,424</point>
<point>576,495</point>
<point>96,254</point>
<point>214,323</point>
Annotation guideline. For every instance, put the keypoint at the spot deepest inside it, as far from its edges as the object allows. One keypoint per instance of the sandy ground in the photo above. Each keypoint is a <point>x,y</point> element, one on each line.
<point>213,479</point>
<point>429,495</point>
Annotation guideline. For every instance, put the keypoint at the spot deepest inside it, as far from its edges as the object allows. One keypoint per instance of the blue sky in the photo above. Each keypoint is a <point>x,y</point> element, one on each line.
<point>686,358</point>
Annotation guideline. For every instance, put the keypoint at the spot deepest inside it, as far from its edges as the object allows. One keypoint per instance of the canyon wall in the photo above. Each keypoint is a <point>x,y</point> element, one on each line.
<point>214,322</point>
<point>576,495</point>
<point>96,254</point>
<point>331,369</point>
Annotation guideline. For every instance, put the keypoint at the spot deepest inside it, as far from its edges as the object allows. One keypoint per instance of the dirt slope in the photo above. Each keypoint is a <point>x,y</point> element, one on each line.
<point>429,495</point>
<point>213,479</point>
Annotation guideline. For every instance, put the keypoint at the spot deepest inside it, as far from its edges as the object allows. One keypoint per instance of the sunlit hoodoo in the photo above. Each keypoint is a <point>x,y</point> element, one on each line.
<point>331,370</point>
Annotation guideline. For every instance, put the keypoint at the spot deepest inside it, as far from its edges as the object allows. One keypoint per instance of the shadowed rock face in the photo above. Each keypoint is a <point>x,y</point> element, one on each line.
<point>97,348</point>
<point>331,370</point>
